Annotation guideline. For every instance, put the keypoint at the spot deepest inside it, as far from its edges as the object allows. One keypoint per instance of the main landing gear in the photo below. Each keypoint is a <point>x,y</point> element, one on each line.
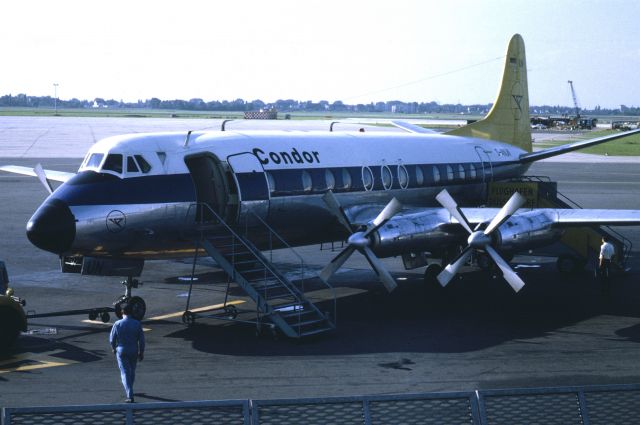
<point>138,306</point>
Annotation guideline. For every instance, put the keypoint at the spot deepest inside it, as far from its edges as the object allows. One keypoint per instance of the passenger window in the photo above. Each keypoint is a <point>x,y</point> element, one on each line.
<point>346,179</point>
<point>271,181</point>
<point>329,179</point>
<point>449,172</point>
<point>461,171</point>
<point>113,163</point>
<point>131,165</point>
<point>367,178</point>
<point>307,183</point>
<point>94,160</point>
<point>436,174</point>
<point>387,177</point>
<point>472,172</point>
<point>419,176</point>
<point>145,167</point>
<point>403,176</point>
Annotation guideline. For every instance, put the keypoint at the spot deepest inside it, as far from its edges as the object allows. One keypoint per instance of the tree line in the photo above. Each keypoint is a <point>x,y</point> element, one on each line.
<point>291,105</point>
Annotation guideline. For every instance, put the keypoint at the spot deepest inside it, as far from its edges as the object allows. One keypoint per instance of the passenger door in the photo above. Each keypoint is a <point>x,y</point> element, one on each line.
<point>251,180</point>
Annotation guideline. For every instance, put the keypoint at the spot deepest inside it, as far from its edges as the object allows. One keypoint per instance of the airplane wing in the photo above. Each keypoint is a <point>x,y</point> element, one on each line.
<point>559,150</point>
<point>563,217</point>
<point>412,128</point>
<point>58,176</point>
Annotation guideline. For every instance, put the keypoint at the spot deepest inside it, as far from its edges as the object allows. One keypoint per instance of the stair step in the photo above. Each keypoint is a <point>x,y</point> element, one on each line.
<point>316,331</point>
<point>265,273</point>
<point>273,292</point>
<point>262,281</point>
<point>228,251</point>
<point>295,313</point>
<point>295,307</point>
<point>247,262</point>
<point>296,325</point>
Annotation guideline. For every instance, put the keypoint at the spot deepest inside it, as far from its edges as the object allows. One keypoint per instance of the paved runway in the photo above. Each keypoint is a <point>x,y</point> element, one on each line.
<point>476,334</point>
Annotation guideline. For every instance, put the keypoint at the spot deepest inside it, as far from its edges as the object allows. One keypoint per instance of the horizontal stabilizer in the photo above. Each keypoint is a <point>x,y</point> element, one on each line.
<point>412,128</point>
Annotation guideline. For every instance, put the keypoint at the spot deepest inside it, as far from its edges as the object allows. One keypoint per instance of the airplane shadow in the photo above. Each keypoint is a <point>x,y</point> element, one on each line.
<point>471,313</point>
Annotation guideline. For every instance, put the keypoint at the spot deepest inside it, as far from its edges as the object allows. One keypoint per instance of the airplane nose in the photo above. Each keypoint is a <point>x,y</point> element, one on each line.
<point>52,227</point>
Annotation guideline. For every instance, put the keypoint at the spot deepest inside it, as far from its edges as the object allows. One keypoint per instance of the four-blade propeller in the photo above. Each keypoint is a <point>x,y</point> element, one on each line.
<point>359,240</point>
<point>481,239</point>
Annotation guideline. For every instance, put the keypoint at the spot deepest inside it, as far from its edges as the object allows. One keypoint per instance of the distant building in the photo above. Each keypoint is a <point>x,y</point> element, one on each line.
<point>262,114</point>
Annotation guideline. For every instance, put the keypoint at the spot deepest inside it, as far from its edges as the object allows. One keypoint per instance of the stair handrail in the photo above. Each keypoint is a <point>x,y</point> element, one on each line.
<point>292,289</point>
<point>267,266</point>
<point>291,249</point>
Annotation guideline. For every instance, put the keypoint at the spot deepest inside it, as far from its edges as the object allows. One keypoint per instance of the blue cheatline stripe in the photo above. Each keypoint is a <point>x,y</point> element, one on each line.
<point>101,189</point>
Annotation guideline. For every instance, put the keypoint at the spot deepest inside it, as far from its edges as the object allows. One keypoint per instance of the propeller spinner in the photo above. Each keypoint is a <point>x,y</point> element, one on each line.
<point>481,239</point>
<point>359,240</point>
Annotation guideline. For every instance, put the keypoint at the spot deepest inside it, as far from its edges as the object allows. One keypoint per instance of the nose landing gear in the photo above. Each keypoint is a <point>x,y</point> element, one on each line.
<point>138,306</point>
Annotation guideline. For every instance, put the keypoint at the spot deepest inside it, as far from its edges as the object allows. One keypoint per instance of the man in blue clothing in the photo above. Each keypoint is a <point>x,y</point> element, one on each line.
<point>127,343</point>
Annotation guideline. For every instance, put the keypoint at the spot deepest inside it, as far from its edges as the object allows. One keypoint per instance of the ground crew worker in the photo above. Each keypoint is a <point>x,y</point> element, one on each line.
<point>604,262</point>
<point>127,343</point>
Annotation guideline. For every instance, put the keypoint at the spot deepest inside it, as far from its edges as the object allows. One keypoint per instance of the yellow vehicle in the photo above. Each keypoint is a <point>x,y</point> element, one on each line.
<point>13,320</point>
<point>12,316</point>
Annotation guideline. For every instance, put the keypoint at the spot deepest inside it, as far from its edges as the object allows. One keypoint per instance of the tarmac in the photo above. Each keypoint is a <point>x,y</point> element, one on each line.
<point>475,334</point>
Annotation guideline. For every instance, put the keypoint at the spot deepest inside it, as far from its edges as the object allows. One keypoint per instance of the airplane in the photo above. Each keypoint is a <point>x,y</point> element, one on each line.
<point>138,197</point>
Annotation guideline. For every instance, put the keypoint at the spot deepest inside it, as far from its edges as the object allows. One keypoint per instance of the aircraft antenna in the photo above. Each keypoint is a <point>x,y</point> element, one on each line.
<point>222,127</point>
<point>186,141</point>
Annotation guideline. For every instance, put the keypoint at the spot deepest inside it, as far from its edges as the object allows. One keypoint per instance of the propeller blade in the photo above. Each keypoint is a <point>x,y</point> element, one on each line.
<point>43,178</point>
<point>383,274</point>
<point>512,205</point>
<point>336,263</point>
<point>392,208</point>
<point>332,202</point>
<point>451,270</point>
<point>450,204</point>
<point>509,275</point>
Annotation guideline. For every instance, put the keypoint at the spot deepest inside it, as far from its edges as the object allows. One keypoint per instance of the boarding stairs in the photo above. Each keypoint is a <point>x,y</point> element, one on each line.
<point>578,243</point>
<point>278,300</point>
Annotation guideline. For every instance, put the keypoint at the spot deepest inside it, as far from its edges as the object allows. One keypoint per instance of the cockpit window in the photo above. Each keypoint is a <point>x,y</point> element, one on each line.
<point>131,165</point>
<point>145,167</point>
<point>113,163</point>
<point>94,160</point>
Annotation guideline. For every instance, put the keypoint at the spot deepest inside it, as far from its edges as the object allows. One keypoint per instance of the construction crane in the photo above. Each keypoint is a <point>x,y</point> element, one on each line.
<point>578,121</point>
<point>575,100</point>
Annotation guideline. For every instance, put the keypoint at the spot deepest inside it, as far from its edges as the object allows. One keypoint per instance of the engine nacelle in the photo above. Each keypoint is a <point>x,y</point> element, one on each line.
<point>414,233</point>
<point>526,231</point>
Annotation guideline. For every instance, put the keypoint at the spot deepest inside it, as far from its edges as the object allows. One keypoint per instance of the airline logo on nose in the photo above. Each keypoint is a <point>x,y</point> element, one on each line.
<point>116,221</point>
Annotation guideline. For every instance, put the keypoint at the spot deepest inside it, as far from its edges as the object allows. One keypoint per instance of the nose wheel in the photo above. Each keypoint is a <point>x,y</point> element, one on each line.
<point>138,306</point>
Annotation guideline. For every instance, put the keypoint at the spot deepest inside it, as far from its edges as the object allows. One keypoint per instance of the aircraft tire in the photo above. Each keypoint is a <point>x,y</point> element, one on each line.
<point>484,262</point>
<point>568,264</point>
<point>431,275</point>
<point>138,306</point>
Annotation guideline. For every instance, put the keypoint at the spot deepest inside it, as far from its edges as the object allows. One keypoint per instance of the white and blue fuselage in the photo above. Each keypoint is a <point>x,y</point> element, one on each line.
<point>136,195</point>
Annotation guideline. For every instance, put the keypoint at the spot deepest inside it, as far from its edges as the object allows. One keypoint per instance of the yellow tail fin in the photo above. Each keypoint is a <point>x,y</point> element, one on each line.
<point>508,120</point>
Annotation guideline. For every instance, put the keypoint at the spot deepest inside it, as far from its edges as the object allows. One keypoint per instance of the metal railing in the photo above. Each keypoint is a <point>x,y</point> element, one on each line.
<point>219,221</point>
<point>591,405</point>
<point>303,268</point>
<point>295,293</point>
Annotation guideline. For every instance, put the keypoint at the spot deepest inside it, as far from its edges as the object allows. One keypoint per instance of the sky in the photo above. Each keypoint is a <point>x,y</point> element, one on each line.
<point>349,50</point>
